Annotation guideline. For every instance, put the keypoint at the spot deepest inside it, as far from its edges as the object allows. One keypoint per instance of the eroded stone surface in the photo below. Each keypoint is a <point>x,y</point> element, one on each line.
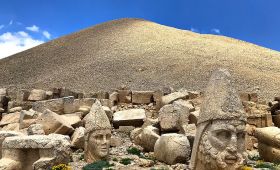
<point>131,117</point>
<point>97,134</point>
<point>35,152</point>
<point>172,148</point>
<point>220,133</point>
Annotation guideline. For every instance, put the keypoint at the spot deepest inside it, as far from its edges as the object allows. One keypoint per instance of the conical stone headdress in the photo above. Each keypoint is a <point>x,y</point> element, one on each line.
<point>221,102</point>
<point>96,119</point>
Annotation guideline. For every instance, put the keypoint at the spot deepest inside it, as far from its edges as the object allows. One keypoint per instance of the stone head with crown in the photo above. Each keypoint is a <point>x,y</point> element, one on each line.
<point>97,134</point>
<point>220,137</point>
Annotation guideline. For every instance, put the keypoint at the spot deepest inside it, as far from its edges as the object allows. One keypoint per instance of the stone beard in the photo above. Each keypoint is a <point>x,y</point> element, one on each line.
<point>97,145</point>
<point>222,145</point>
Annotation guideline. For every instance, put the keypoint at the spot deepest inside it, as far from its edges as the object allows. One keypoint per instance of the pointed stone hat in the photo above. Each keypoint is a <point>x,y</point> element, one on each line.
<point>221,101</point>
<point>96,119</point>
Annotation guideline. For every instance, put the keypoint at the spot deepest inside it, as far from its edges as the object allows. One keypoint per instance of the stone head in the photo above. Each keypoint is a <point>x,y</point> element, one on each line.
<point>97,135</point>
<point>220,135</point>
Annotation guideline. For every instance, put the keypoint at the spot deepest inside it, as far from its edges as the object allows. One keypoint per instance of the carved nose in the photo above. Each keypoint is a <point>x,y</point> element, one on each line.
<point>232,147</point>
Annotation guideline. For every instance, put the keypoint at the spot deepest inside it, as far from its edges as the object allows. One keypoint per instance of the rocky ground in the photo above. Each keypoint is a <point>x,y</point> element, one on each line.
<point>157,115</point>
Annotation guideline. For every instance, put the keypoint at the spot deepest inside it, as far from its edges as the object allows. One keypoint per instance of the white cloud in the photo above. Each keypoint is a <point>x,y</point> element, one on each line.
<point>33,28</point>
<point>11,22</point>
<point>1,26</point>
<point>216,31</point>
<point>14,42</point>
<point>47,34</point>
<point>194,30</point>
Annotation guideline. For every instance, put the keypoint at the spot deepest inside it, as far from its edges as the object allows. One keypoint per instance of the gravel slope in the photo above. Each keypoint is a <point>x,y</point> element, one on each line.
<point>142,55</point>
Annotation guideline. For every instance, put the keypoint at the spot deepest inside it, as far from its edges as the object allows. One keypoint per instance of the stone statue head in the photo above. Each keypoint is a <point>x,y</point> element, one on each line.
<point>220,138</point>
<point>97,135</point>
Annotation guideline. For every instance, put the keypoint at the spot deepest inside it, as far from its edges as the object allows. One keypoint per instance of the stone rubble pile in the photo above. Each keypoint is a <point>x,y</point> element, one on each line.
<point>49,126</point>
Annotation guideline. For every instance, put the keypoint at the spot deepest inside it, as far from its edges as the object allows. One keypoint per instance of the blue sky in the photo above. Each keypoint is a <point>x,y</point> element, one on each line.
<point>24,24</point>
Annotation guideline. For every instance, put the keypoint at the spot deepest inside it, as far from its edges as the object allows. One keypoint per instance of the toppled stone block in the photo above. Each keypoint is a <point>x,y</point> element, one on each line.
<point>186,103</point>
<point>35,152</point>
<point>269,143</point>
<point>157,98</point>
<point>4,135</point>
<point>35,129</point>
<point>132,117</point>
<point>168,99</point>
<point>10,118</point>
<point>37,94</point>
<point>54,123</point>
<point>78,138</point>
<point>142,97</point>
<point>193,117</point>
<point>11,127</point>
<point>172,116</point>
<point>147,138</point>
<point>172,148</point>
<point>73,119</point>
<point>55,105</point>
<point>124,96</point>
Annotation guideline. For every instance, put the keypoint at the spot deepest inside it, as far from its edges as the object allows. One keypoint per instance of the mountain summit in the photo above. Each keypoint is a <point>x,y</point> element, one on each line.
<point>142,55</point>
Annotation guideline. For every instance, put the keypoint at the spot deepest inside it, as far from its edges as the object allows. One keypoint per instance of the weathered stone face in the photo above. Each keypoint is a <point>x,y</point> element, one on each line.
<point>220,134</point>
<point>97,145</point>
<point>222,145</point>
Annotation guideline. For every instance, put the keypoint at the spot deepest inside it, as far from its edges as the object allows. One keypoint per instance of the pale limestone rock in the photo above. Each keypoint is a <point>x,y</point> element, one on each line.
<point>124,96</point>
<point>55,105</point>
<point>131,117</point>
<point>115,141</point>
<point>35,129</point>
<point>15,109</point>
<point>4,135</point>
<point>269,143</point>
<point>37,94</point>
<point>114,98</point>
<point>54,123</point>
<point>173,116</point>
<point>142,97</point>
<point>78,138</point>
<point>147,138</point>
<point>186,103</point>
<point>193,117</point>
<point>168,99</point>
<point>172,148</point>
<point>68,105</point>
<point>35,152</point>
<point>10,118</point>
<point>73,119</point>
<point>11,127</point>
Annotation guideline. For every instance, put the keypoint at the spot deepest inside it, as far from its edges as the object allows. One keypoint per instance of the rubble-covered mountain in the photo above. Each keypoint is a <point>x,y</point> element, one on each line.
<point>142,55</point>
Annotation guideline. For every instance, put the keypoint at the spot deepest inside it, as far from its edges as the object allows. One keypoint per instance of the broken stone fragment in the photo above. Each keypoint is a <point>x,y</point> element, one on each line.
<point>147,138</point>
<point>172,116</point>
<point>168,99</point>
<point>35,129</point>
<point>142,97</point>
<point>131,117</point>
<point>124,96</point>
<point>37,94</point>
<point>269,143</point>
<point>78,138</point>
<point>10,118</point>
<point>55,105</point>
<point>172,148</point>
<point>4,135</point>
<point>35,152</point>
<point>54,123</point>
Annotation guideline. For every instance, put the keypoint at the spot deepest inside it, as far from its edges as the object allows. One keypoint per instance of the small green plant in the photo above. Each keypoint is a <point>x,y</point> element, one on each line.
<point>126,161</point>
<point>134,151</point>
<point>61,167</point>
<point>115,159</point>
<point>254,157</point>
<point>99,165</point>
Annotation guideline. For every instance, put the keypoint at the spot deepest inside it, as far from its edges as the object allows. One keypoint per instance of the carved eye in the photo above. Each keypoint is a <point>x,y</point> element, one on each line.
<point>98,137</point>
<point>224,134</point>
<point>108,136</point>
